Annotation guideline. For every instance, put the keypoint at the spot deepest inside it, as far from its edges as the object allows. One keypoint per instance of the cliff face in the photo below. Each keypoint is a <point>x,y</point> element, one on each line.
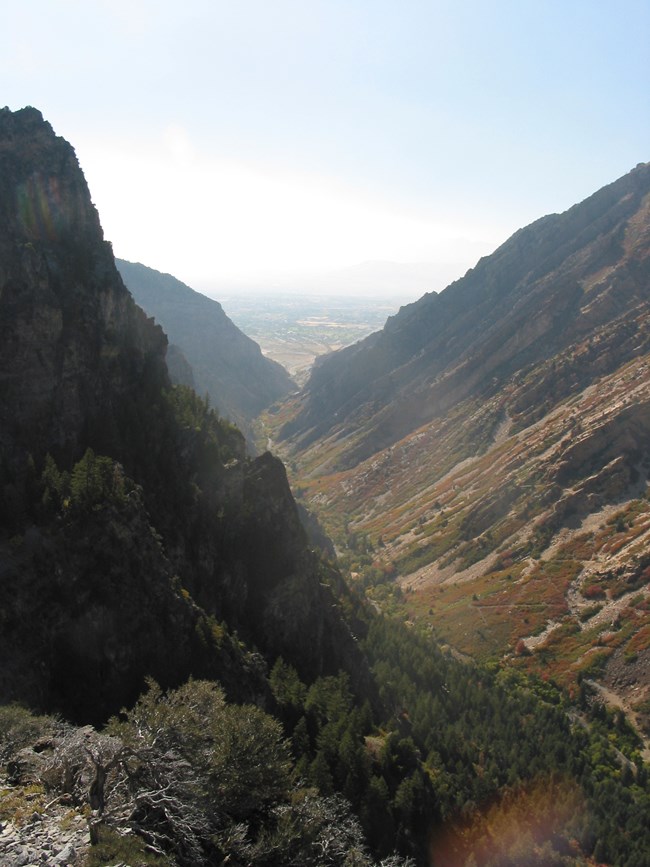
<point>72,341</point>
<point>226,364</point>
<point>142,555</point>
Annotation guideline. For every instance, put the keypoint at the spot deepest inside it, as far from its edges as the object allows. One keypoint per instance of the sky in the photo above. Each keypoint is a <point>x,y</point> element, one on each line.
<point>302,144</point>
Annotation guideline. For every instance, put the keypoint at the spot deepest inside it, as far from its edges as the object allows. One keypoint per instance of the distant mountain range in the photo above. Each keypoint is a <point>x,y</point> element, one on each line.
<point>504,420</point>
<point>225,363</point>
<point>377,278</point>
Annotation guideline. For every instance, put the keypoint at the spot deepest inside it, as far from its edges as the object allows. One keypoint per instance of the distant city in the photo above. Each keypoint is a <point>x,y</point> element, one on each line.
<point>294,329</point>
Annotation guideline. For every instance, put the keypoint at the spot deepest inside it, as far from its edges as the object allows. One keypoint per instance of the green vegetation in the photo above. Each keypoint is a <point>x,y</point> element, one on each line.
<point>437,756</point>
<point>487,735</point>
<point>20,727</point>
<point>462,761</point>
<point>186,778</point>
<point>113,848</point>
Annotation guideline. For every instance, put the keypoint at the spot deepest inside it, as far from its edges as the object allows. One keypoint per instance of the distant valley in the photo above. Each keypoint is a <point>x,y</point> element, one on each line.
<point>295,329</point>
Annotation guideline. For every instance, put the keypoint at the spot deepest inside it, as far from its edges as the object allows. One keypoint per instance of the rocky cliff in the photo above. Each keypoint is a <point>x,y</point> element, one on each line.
<point>72,341</point>
<point>136,534</point>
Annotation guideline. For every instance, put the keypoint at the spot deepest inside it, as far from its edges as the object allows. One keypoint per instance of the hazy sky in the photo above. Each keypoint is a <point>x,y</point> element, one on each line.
<point>249,140</point>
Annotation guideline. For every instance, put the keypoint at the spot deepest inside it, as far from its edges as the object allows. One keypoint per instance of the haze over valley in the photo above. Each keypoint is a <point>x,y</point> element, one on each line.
<point>295,329</point>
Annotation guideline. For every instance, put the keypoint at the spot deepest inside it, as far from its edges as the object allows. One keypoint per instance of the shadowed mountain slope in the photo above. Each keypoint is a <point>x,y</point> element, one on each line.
<point>226,364</point>
<point>135,533</point>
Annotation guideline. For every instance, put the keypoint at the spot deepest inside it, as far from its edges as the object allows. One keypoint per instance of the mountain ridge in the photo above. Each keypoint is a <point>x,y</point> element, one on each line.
<point>478,454</point>
<point>48,225</point>
<point>426,339</point>
<point>227,365</point>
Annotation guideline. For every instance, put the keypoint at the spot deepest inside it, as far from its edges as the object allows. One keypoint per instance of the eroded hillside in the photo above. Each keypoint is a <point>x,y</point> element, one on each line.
<point>488,452</point>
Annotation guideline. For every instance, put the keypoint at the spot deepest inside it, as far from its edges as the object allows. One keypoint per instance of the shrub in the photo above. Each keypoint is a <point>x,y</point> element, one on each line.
<point>19,728</point>
<point>594,591</point>
<point>114,848</point>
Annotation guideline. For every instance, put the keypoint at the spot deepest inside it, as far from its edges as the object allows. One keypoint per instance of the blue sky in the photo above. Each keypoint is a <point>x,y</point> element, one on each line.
<point>258,142</point>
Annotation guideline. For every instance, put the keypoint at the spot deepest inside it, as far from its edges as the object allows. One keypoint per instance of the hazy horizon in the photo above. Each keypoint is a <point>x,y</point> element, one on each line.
<point>378,279</point>
<point>255,144</point>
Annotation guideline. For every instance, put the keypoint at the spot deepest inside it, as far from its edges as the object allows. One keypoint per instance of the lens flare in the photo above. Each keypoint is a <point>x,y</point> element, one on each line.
<point>531,824</point>
<point>40,208</point>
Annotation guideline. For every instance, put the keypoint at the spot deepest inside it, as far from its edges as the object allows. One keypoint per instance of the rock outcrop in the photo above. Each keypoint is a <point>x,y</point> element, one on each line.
<point>72,341</point>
